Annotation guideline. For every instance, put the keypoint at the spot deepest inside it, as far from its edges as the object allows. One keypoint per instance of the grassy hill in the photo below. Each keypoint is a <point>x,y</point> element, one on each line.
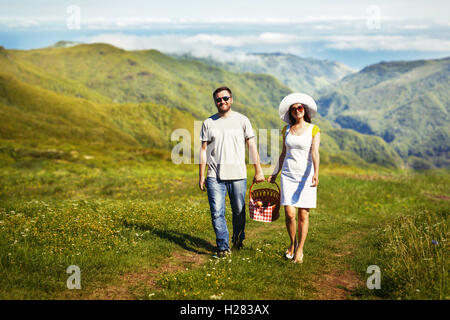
<point>142,76</point>
<point>405,103</point>
<point>99,96</point>
<point>39,119</point>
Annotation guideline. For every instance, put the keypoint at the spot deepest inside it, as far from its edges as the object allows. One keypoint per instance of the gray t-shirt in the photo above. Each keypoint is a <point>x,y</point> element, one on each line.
<point>226,145</point>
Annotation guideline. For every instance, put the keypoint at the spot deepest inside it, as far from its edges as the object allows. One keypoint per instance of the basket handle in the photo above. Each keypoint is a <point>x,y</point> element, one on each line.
<point>251,187</point>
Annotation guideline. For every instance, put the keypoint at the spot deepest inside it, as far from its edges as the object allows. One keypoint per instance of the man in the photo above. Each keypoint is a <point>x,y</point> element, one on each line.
<point>224,136</point>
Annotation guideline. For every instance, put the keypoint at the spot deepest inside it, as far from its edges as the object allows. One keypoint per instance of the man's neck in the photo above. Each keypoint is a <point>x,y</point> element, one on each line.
<point>225,114</point>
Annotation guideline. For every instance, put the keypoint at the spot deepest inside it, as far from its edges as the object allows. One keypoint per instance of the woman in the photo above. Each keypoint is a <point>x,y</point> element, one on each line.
<point>300,167</point>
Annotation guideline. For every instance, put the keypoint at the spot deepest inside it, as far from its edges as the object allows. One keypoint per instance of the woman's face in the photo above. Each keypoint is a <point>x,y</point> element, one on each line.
<point>297,110</point>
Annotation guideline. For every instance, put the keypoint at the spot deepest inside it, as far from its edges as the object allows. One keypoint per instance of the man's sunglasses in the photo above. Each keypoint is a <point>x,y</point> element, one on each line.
<point>225,98</point>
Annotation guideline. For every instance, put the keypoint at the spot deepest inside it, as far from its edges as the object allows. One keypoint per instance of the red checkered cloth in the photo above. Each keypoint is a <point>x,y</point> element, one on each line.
<point>263,213</point>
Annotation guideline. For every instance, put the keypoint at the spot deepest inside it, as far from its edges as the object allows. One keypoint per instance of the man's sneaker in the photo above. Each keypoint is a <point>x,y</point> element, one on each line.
<point>222,254</point>
<point>238,245</point>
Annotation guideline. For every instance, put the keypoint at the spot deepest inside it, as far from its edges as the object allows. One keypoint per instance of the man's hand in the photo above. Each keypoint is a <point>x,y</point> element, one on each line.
<point>271,178</point>
<point>259,177</point>
<point>201,183</point>
<point>254,158</point>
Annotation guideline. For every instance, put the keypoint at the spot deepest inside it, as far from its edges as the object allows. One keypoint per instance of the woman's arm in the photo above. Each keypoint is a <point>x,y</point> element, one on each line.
<point>315,159</point>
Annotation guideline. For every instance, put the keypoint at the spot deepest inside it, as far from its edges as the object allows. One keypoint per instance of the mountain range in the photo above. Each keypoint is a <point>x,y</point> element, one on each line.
<point>299,74</point>
<point>88,96</point>
<point>407,103</point>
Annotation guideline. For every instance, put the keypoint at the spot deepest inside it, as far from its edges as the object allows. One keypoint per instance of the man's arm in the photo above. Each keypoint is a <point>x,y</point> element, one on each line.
<point>254,158</point>
<point>202,165</point>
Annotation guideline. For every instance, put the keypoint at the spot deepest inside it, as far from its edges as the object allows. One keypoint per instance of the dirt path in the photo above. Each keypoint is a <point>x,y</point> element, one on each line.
<point>339,284</point>
<point>131,286</point>
<point>332,285</point>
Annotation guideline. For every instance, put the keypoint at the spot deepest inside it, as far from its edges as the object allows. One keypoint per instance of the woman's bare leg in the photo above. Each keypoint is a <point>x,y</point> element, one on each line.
<point>290,225</point>
<point>303,224</point>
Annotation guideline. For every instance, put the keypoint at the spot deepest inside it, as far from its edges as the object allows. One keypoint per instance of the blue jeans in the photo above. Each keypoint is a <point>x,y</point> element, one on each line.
<point>216,190</point>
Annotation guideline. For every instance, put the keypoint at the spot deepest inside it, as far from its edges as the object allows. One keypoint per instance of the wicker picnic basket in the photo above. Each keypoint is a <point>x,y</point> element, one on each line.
<point>268,209</point>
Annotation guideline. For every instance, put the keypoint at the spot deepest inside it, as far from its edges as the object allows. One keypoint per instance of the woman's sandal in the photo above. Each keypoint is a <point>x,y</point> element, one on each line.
<point>300,261</point>
<point>289,255</point>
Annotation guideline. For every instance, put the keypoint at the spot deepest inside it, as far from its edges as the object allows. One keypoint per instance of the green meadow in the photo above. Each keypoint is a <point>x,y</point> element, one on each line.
<point>138,227</point>
<point>86,179</point>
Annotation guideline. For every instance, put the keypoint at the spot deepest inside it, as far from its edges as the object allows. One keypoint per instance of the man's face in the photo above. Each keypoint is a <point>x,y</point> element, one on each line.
<point>222,105</point>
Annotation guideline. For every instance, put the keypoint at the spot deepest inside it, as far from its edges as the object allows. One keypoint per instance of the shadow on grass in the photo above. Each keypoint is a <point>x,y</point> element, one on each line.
<point>185,241</point>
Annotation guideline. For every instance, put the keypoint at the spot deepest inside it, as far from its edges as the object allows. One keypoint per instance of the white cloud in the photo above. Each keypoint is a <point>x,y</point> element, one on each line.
<point>204,45</point>
<point>198,46</point>
<point>134,42</point>
<point>415,27</point>
<point>388,43</point>
<point>324,27</point>
<point>20,23</point>
<point>179,42</point>
<point>136,22</point>
<point>242,40</point>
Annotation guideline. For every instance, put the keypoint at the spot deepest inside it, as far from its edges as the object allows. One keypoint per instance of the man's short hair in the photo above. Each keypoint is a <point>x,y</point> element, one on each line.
<point>222,89</point>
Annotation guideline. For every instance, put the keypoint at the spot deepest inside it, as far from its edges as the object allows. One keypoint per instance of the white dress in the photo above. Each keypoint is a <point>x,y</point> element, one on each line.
<point>298,170</point>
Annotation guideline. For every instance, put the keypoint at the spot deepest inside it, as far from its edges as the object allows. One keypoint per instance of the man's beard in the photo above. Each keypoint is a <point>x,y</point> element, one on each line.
<point>222,110</point>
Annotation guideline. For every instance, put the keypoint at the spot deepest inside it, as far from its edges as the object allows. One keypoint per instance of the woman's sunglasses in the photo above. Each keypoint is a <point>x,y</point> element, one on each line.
<point>225,98</point>
<point>299,108</point>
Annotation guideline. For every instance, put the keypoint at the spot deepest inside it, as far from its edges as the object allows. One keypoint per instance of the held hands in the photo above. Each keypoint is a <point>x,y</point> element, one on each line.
<point>259,177</point>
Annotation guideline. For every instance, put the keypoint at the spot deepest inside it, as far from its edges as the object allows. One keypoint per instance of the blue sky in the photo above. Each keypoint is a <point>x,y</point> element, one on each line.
<point>357,33</point>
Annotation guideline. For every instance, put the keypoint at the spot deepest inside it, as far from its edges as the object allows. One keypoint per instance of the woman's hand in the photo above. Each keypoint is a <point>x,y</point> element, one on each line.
<point>271,178</point>
<point>315,181</point>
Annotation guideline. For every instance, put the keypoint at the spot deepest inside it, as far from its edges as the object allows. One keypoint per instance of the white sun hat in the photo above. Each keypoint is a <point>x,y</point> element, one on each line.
<point>293,98</point>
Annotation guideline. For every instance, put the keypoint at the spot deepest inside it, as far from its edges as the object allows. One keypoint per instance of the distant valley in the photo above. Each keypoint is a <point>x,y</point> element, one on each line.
<point>135,99</point>
<point>405,103</point>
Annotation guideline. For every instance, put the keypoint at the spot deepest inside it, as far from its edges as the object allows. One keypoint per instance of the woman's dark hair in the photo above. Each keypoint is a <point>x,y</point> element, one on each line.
<point>222,89</point>
<point>305,117</point>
